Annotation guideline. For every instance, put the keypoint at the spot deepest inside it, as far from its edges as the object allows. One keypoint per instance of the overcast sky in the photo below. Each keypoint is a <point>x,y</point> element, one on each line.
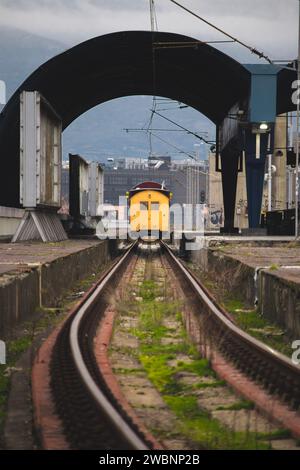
<point>269,25</point>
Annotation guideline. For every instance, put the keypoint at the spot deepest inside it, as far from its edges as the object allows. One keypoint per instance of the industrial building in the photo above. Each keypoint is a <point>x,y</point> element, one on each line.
<point>187,180</point>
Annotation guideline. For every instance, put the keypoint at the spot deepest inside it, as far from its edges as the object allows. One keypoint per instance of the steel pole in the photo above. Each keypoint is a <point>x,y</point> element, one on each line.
<point>269,175</point>
<point>152,20</point>
<point>297,140</point>
<point>270,183</point>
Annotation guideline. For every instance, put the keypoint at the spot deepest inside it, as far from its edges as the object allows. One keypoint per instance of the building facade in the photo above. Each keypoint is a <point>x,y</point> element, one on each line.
<point>181,178</point>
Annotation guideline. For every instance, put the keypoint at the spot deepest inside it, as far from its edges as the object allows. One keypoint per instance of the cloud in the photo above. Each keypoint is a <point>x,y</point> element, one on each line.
<point>270,26</point>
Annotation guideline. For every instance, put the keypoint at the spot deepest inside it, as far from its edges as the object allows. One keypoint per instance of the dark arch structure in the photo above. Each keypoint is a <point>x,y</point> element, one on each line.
<point>121,64</point>
<point>126,64</point>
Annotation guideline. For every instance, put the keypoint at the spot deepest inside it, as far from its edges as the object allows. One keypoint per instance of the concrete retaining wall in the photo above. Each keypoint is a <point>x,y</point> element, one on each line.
<point>19,298</point>
<point>237,277</point>
<point>23,291</point>
<point>70,269</point>
<point>9,220</point>
<point>278,299</point>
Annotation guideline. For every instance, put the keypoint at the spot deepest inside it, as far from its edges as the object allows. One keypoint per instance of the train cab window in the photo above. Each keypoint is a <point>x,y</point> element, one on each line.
<point>155,206</point>
<point>143,206</point>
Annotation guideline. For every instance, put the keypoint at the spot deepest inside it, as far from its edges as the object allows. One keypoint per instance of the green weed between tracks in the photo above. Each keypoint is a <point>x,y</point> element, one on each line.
<point>159,345</point>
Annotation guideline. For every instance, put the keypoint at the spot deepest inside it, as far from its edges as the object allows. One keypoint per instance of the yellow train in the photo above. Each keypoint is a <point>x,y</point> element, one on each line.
<point>149,210</point>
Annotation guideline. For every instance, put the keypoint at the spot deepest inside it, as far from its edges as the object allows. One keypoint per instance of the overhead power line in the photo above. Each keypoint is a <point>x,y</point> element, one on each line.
<point>184,128</point>
<point>142,129</point>
<point>206,173</point>
<point>173,146</point>
<point>261,55</point>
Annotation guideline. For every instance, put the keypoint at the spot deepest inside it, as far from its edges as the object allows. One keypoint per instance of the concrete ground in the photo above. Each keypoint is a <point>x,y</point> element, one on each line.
<point>282,258</point>
<point>15,256</point>
<point>35,275</point>
<point>282,254</point>
<point>265,271</point>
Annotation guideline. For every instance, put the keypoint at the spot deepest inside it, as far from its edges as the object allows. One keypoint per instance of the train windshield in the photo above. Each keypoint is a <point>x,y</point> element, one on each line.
<point>143,206</point>
<point>155,206</point>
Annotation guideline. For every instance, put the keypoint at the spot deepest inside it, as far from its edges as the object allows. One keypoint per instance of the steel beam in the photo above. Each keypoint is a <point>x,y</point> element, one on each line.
<point>230,162</point>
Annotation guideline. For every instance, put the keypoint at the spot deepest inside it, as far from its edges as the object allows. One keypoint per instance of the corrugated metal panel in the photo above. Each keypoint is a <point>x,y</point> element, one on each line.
<point>40,152</point>
<point>95,196</point>
<point>86,188</point>
<point>78,186</point>
<point>38,225</point>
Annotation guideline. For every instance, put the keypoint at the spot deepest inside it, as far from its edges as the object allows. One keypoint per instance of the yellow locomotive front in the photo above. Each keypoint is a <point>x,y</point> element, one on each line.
<point>149,211</point>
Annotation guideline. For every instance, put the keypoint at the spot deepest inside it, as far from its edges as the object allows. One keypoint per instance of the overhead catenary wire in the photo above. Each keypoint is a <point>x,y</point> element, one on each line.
<point>158,129</point>
<point>187,154</point>
<point>255,51</point>
<point>174,146</point>
<point>184,128</point>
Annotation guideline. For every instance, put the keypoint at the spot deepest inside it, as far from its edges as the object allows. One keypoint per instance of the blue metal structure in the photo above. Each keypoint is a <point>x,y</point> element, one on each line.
<point>252,136</point>
<point>262,111</point>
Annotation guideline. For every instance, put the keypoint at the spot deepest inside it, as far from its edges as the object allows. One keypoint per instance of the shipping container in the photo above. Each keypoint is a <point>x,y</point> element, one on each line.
<point>96,190</point>
<point>86,188</point>
<point>40,152</point>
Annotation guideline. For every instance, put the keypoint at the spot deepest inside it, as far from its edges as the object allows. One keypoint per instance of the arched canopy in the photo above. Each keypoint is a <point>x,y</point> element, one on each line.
<point>126,64</point>
<point>123,64</point>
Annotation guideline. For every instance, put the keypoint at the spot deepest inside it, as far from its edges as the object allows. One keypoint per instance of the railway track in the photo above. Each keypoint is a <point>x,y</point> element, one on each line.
<point>92,417</point>
<point>273,371</point>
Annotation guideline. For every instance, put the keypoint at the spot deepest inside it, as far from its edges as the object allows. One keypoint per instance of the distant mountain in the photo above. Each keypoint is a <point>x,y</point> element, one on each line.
<point>99,133</point>
<point>21,53</point>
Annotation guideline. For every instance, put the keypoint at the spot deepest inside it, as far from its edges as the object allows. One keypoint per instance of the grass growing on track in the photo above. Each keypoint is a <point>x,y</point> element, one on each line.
<point>253,323</point>
<point>248,319</point>
<point>155,352</point>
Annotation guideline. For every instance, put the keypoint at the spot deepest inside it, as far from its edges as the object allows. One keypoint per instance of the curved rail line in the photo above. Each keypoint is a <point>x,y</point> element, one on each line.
<point>90,416</point>
<point>274,371</point>
<point>90,413</point>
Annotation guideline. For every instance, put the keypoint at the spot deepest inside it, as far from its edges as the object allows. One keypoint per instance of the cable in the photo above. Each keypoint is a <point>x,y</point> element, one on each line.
<point>184,128</point>
<point>174,146</point>
<point>261,55</point>
<point>142,129</point>
<point>188,155</point>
